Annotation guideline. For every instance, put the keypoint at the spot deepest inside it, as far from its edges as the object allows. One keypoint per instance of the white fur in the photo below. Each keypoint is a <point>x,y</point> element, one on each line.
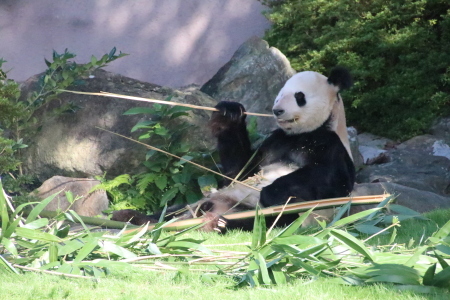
<point>320,97</point>
<point>321,102</point>
<point>265,177</point>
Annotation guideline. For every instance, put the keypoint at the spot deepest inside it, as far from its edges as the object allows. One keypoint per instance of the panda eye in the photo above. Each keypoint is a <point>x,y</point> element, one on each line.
<point>300,98</point>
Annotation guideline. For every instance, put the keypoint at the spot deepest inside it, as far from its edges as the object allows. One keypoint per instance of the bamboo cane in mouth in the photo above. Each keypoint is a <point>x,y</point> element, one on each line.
<point>112,95</point>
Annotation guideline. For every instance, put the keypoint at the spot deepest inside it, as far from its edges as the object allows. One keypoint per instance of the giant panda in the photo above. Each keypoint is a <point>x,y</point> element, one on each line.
<point>307,158</point>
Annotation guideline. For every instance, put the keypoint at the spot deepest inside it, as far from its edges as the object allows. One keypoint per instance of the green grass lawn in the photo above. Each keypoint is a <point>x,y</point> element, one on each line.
<point>135,283</point>
<point>139,284</point>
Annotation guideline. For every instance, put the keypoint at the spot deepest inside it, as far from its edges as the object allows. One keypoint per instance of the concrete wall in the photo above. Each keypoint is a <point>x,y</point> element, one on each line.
<point>170,42</point>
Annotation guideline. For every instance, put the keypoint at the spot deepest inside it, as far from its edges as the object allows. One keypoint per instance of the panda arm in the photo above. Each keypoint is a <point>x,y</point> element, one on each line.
<point>229,127</point>
<point>329,173</point>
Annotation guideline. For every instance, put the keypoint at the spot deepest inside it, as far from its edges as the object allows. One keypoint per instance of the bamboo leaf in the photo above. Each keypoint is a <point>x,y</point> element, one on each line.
<point>357,216</point>
<point>393,278</point>
<point>278,275</point>
<point>36,224</point>
<point>9,246</point>
<point>263,269</point>
<point>402,210</point>
<point>443,232</point>
<point>109,246</point>
<point>306,267</point>
<point>393,273</point>
<point>302,241</point>
<point>70,247</point>
<point>342,210</point>
<point>6,267</point>
<point>369,229</point>
<point>442,262</point>
<point>428,277</point>
<point>293,227</point>
<point>442,279</point>
<point>382,204</point>
<point>393,236</point>
<point>416,256</point>
<point>259,229</point>
<point>12,227</point>
<point>87,249</point>
<point>351,242</point>
<point>189,245</point>
<point>34,234</point>
<point>38,208</point>
<point>53,252</point>
<point>153,248</point>
<point>63,232</point>
<point>73,214</point>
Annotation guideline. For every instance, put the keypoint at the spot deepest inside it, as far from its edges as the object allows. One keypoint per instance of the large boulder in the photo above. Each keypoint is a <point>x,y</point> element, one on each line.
<point>422,162</point>
<point>71,144</point>
<point>85,203</point>
<point>254,76</point>
<point>420,201</point>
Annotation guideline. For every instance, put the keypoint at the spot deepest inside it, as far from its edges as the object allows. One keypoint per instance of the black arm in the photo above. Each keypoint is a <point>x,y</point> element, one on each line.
<point>229,127</point>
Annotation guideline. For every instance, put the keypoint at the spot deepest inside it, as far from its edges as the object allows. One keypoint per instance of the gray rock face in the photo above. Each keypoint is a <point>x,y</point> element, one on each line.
<point>418,163</point>
<point>71,145</point>
<point>420,201</point>
<point>87,204</point>
<point>254,76</point>
<point>354,147</point>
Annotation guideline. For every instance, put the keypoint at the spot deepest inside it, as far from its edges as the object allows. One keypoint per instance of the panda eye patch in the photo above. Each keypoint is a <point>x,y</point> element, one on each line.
<point>300,98</point>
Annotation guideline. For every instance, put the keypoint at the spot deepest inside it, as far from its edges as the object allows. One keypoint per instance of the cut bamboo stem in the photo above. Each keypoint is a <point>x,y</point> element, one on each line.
<point>275,210</point>
<point>112,95</point>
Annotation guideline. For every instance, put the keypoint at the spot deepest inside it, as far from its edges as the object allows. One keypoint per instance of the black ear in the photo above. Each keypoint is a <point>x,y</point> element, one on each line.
<point>340,77</point>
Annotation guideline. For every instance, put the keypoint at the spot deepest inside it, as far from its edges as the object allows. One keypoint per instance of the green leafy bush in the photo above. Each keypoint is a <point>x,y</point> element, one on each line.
<point>166,179</point>
<point>17,121</point>
<point>397,52</point>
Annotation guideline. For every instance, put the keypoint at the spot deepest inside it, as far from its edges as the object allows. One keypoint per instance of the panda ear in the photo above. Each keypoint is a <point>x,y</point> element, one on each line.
<point>341,78</point>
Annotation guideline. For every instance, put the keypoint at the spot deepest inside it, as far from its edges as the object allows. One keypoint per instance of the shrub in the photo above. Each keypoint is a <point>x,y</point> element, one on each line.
<point>166,180</point>
<point>17,121</point>
<point>397,52</point>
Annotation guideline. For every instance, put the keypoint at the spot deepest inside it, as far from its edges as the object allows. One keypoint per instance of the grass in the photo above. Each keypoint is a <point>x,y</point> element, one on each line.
<point>138,284</point>
<point>134,283</point>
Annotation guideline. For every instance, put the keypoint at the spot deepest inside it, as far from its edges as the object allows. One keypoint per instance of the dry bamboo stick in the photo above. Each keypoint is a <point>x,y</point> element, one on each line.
<point>275,210</point>
<point>112,95</point>
<point>180,158</point>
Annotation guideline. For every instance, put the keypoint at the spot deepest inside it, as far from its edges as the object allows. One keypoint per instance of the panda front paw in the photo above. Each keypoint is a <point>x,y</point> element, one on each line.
<point>229,115</point>
<point>231,110</point>
<point>214,222</point>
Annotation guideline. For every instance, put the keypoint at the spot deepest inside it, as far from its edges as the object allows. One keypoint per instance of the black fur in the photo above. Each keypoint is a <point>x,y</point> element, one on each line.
<point>340,77</point>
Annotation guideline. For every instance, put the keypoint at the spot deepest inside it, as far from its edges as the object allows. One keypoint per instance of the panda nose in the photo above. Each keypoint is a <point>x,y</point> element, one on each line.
<point>278,112</point>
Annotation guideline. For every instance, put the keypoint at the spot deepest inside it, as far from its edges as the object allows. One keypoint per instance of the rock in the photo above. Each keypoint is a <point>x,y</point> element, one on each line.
<point>354,147</point>
<point>420,201</point>
<point>86,204</point>
<point>70,144</point>
<point>254,76</point>
<point>417,163</point>
<point>441,129</point>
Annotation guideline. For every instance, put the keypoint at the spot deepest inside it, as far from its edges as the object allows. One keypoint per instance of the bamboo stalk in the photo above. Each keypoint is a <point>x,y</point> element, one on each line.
<point>112,95</point>
<point>275,210</point>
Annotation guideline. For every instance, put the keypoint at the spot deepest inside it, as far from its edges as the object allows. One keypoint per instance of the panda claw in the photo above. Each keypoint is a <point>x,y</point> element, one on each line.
<point>221,223</point>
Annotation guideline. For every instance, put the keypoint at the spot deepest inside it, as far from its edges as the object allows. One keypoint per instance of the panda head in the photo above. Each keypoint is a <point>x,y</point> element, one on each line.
<point>308,99</point>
